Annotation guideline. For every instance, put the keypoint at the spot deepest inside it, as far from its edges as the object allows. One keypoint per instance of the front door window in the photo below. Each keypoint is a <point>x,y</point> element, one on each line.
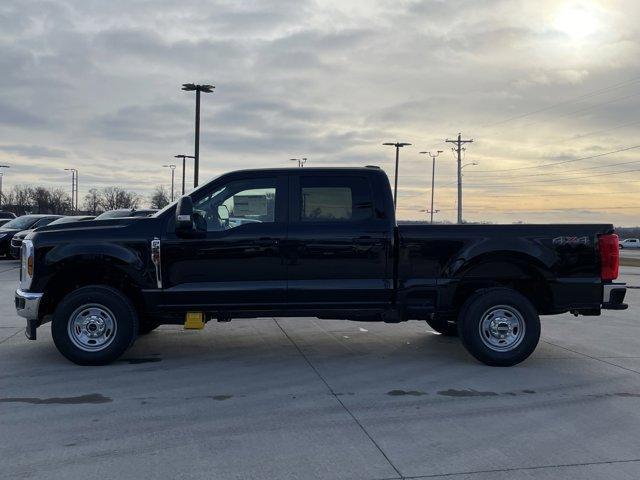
<point>237,203</point>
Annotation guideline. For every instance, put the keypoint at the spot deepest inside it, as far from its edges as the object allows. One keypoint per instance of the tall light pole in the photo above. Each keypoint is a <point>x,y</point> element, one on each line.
<point>301,161</point>
<point>458,149</point>
<point>433,176</point>
<point>173,171</point>
<point>398,146</point>
<point>74,188</point>
<point>183,167</point>
<point>191,87</point>
<point>2,175</point>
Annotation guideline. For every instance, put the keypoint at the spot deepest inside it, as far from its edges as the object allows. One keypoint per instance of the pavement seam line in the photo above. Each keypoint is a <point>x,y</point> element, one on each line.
<point>11,336</point>
<point>592,357</point>
<point>517,469</point>
<point>346,409</point>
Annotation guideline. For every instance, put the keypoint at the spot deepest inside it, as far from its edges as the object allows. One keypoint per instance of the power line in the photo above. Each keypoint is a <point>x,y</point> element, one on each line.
<point>561,162</point>
<point>558,180</point>
<point>584,109</point>
<point>564,102</point>
<point>590,194</point>
<point>578,170</point>
<point>599,207</point>
<point>606,130</point>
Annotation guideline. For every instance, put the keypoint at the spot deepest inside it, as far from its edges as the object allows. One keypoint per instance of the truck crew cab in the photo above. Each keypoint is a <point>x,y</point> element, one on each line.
<point>319,242</point>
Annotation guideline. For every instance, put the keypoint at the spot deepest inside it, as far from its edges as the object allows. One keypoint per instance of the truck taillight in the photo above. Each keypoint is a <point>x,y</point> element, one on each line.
<point>608,245</point>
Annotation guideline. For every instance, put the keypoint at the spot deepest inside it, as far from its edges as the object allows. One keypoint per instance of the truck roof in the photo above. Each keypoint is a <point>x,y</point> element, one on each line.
<point>368,168</point>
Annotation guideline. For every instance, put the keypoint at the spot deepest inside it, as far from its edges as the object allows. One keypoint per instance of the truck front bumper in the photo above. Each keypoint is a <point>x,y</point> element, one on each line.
<point>27,305</point>
<point>613,296</point>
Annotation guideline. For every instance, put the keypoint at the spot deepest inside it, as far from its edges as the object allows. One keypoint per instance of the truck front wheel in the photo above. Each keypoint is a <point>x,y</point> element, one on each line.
<point>94,325</point>
<point>499,326</point>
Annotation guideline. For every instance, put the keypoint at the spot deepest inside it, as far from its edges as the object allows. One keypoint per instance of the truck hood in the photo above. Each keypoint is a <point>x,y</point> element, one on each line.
<point>97,225</point>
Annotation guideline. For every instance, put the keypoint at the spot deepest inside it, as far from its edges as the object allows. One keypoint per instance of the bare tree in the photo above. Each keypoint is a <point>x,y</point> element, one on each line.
<point>159,198</point>
<point>59,202</point>
<point>93,201</point>
<point>113,198</point>
<point>21,199</point>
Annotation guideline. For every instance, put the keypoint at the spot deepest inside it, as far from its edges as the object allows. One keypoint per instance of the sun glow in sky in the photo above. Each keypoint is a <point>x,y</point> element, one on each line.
<point>542,86</point>
<point>577,20</point>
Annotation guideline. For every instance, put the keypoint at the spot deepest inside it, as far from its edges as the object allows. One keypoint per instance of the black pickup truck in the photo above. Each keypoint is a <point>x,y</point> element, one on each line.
<point>320,242</point>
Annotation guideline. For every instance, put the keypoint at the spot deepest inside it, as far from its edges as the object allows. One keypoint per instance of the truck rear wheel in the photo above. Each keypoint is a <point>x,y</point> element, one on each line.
<point>94,325</point>
<point>499,326</point>
<point>444,325</point>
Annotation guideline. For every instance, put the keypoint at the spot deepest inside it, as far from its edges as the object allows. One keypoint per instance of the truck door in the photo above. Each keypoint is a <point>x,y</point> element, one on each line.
<point>238,263</point>
<point>338,248</point>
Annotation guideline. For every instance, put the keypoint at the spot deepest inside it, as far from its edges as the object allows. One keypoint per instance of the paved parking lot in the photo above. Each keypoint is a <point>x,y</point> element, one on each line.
<point>304,398</point>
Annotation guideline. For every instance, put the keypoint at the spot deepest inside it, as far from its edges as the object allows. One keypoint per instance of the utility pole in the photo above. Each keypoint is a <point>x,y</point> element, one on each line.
<point>398,146</point>
<point>433,176</point>
<point>301,161</point>
<point>190,87</point>
<point>173,171</point>
<point>458,149</point>
<point>2,175</point>
<point>183,166</point>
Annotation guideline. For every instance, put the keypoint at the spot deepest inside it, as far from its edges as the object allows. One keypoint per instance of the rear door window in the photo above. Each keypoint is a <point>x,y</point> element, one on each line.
<point>335,199</point>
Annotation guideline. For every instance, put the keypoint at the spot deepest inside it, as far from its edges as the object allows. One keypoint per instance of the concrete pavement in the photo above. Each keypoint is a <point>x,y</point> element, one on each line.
<point>305,398</point>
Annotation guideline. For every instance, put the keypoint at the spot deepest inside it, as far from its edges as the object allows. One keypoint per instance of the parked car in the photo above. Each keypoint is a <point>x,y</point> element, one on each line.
<point>16,241</point>
<point>72,218</point>
<point>5,220</point>
<point>7,215</point>
<point>126,212</point>
<point>325,244</point>
<point>25,222</point>
<point>630,243</point>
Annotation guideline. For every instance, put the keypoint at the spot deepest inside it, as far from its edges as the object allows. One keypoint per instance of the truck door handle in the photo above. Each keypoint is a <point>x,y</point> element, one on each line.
<point>267,242</point>
<point>365,240</point>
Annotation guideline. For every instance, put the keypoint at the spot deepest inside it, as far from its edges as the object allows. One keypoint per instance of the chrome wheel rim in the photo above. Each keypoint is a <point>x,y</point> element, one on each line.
<point>502,328</point>
<point>92,327</point>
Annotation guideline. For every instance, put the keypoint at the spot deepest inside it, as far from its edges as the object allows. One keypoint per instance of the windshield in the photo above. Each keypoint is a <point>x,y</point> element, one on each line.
<point>114,214</point>
<point>21,223</point>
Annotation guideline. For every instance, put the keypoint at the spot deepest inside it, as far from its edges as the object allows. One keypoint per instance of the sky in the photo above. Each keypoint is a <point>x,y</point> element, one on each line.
<point>546,89</point>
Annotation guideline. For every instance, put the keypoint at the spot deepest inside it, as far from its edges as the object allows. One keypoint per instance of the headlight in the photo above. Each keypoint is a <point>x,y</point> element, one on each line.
<point>26,264</point>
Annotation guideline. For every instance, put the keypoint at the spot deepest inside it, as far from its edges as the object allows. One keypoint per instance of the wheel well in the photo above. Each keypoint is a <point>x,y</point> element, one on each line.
<point>518,274</point>
<point>79,275</point>
<point>536,290</point>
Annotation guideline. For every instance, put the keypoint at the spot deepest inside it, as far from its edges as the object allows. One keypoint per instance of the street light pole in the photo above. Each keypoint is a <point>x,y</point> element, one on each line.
<point>74,188</point>
<point>433,175</point>
<point>1,176</point>
<point>301,161</point>
<point>183,157</point>
<point>173,170</point>
<point>398,146</point>
<point>190,87</point>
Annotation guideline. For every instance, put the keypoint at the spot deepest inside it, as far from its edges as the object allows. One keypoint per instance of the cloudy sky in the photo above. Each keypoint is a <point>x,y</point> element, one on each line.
<point>539,85</point>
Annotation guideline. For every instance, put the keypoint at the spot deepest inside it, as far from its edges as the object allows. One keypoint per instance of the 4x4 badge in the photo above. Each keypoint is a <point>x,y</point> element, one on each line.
<point>571,241</point>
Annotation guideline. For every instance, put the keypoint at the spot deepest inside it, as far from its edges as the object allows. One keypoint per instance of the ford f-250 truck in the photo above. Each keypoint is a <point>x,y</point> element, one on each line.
<point>309,242</point>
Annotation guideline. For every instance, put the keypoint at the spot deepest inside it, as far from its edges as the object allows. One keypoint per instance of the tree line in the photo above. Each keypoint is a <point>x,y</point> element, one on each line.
<point>24,199</point>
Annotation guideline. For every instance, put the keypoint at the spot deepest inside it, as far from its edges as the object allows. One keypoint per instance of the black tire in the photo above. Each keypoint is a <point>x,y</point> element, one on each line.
<point>114,305</point>
<point>514,309</point>
<point>146,327</point>
<point>444,325</point>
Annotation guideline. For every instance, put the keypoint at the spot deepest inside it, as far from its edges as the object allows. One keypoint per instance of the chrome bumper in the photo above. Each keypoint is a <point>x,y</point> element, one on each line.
<point>27,304</point>
<point>613,296</point>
